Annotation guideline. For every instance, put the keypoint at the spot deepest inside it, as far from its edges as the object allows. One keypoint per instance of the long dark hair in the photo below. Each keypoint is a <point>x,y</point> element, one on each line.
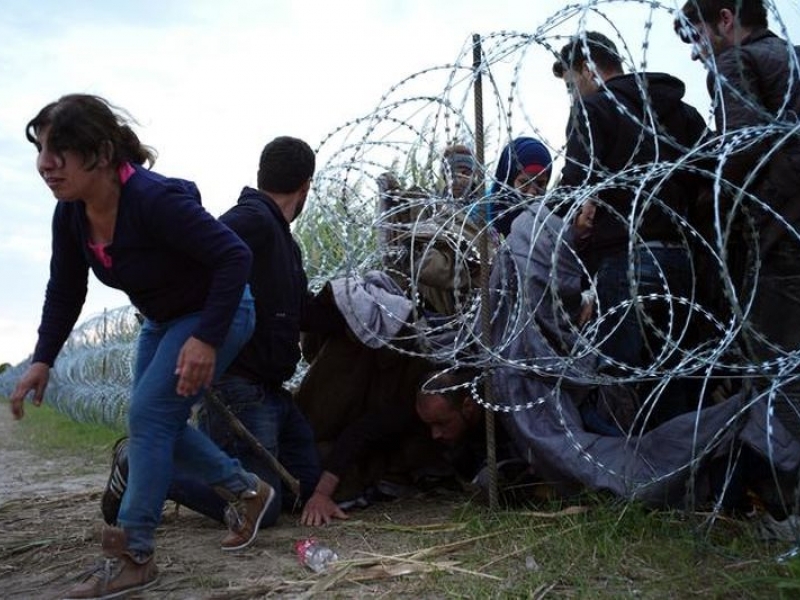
<point>92,127</point>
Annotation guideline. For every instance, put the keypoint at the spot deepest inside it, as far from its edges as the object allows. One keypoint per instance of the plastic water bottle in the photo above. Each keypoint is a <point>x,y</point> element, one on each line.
<point>314,555</point>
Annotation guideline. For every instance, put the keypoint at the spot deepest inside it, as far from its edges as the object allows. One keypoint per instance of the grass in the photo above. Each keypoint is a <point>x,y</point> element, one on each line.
<point>612,550</point>
<point>49,433</point>
<point>452,548</point>
<point>616,550</point>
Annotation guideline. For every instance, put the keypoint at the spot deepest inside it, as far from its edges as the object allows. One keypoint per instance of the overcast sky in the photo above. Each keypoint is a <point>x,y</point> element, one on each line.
<point>210,82</point>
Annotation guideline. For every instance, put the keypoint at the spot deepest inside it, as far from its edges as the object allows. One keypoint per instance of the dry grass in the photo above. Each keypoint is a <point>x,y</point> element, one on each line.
<point>435,546</point>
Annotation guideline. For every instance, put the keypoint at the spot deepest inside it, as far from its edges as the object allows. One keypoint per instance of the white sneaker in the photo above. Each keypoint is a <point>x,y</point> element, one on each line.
<point>786,530</point>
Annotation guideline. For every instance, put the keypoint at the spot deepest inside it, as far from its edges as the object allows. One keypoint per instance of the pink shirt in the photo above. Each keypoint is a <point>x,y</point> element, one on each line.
<point>125,171</point>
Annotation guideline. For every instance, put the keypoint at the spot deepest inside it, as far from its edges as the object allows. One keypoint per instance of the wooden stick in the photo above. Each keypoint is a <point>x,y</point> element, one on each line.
<point>213,398</point>
<point>486,267</point>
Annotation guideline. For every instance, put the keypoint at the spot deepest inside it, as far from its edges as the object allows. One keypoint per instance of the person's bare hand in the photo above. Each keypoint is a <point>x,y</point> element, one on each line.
<point>584,221</point>
<point>34,380</point>
<point>321,510</point>
<point>587,309</point>
<point>195,368</point>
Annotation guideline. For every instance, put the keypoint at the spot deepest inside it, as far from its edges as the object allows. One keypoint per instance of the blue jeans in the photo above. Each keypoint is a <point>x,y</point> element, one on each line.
<point>271,415</point>
<point>157,422</point>
<point>636,334</point>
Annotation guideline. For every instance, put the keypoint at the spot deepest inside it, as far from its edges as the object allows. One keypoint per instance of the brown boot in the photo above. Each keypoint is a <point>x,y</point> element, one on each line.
<point>118,573</point>
<point>243,514</point>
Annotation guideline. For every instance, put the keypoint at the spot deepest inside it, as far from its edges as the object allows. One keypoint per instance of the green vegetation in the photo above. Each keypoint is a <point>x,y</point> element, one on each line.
<point>604,549</point>
<point>336,232</point>
<point>615,550</point>
<point>50,433</point>
<point>444,546</point>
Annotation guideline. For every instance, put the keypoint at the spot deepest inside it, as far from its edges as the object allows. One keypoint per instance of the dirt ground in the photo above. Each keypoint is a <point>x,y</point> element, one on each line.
<point>50,526</point>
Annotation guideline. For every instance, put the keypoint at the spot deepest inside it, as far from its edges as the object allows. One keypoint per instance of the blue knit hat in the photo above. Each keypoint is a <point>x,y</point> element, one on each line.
<point>522,154</point>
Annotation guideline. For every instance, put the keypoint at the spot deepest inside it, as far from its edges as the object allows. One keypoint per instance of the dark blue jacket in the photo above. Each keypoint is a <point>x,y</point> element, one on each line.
<point>284,306</point>
<point>169,255</point>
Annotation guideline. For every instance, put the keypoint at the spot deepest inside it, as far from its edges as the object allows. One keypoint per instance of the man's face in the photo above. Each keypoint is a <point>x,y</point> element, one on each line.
<point>301,201</point>
<point>447,423</point>
<point>710,38</point>
<point>462,181</point>
<point>707,42</point>
<point>580,81</point>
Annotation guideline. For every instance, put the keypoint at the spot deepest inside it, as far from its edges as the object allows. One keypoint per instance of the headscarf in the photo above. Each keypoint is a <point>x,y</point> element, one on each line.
<point>522,154</point>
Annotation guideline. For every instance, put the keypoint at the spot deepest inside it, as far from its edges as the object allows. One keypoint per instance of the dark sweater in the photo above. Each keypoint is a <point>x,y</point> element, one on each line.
<point>603,141</point>
<point>169,256</point>
<point>753,79</point>
<point>278,281</point>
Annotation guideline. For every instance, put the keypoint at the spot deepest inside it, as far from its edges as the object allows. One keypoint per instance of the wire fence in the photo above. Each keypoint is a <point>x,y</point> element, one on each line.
<point>346,231</point>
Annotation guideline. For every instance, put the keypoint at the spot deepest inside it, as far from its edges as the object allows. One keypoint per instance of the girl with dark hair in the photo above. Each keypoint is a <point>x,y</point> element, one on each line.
<point>149,236</point>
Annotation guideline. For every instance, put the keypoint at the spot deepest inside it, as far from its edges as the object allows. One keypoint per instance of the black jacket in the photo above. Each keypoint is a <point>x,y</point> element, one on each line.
<point>613,141</point>
<point>278,282</point>
<point>752,81</point>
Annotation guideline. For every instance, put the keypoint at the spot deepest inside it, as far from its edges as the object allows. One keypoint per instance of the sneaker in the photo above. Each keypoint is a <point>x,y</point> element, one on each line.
<point>117,482</point>
<point>243,515</point>
<point>118,573</point>
<point>782,530</point>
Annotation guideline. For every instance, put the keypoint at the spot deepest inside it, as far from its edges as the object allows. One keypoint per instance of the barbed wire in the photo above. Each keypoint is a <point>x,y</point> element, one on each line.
<point>348,229</point>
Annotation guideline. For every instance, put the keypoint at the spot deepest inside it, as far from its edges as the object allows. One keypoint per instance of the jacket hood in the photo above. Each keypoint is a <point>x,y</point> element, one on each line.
<point>250,195</point>
<point>663,92</point>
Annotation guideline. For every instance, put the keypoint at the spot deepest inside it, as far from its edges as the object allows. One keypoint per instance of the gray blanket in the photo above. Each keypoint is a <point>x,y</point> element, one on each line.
<point>543,366</point>
<point>549,368</point>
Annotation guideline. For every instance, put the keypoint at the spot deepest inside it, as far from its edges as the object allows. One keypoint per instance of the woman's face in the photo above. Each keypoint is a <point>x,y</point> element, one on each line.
<point>531,185</point>
<point>64,172</point>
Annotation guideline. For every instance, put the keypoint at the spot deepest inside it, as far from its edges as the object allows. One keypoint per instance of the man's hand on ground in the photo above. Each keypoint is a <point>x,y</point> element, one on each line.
<point>320,510</point>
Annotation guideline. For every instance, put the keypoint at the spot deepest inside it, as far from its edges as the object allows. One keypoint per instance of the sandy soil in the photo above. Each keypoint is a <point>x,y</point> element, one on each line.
<point>50,525</point>
<point>24,475</point>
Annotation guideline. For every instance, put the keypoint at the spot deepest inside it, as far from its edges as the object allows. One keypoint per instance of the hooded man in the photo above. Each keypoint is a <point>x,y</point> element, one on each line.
<point>752,77</point>
<point>626,134</point>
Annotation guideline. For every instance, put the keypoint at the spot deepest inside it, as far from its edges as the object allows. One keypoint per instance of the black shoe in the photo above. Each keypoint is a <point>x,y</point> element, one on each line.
<point>117,482</point>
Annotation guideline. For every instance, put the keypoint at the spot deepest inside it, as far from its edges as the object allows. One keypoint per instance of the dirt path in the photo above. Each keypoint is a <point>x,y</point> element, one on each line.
<point>50,525</point>
<point>25,475</point>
